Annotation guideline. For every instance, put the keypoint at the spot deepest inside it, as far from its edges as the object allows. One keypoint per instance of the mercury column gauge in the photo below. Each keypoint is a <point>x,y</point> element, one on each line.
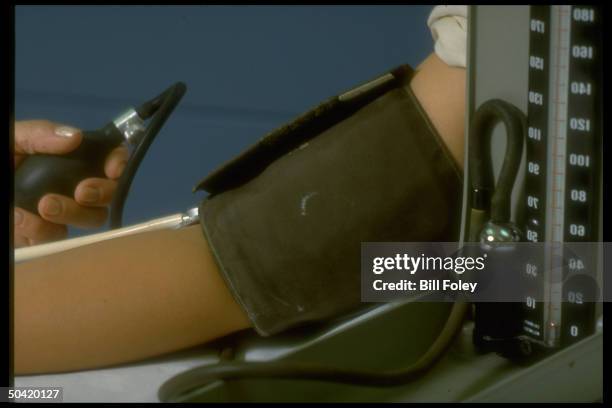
<point>564,169</point>
<point>562,202</point>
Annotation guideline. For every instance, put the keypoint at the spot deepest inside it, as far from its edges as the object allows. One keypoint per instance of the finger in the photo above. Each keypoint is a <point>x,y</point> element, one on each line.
<point>116,161</point>
<point>95,192</point>
<point>63,210</point>
<point>42,136</point>
<point>30,229</point>
<point>20,241</point>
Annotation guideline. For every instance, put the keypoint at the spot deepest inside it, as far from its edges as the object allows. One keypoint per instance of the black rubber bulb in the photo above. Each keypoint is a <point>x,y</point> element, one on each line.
<point>41,174</point>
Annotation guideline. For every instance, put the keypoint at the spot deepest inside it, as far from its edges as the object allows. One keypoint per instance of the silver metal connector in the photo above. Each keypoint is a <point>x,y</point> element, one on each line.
<point>190,217</point>
<point>131,125</point>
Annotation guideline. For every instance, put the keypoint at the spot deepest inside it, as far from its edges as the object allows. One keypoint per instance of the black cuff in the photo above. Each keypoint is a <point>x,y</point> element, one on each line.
<point>287,239</point>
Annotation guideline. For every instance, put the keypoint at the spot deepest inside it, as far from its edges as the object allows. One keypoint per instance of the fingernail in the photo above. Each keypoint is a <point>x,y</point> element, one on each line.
<point>90,194</point>
<point>52,207</point>
<point>18,217</point>
<point>66,131</point>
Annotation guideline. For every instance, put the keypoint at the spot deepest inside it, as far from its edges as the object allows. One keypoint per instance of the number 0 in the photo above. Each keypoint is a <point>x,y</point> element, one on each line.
<point>574,330</point>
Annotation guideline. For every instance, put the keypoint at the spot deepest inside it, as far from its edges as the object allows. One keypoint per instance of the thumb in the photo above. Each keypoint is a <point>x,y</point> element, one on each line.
<point>42,136</point>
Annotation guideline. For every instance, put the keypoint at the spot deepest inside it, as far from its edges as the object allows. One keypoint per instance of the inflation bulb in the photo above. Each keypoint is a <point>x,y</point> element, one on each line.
<point>42,174</point>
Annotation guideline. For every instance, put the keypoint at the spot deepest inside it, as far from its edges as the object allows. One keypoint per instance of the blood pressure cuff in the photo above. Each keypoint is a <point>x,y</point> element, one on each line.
<point>286,218</point>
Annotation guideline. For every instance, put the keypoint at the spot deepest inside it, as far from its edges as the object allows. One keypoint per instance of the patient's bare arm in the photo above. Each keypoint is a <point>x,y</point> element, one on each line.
<point>143,295</point>
<point>441,91</point>
<point>120,300</point>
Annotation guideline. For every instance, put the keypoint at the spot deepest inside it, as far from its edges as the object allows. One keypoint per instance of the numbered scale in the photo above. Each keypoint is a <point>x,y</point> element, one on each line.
<point>564,169</point>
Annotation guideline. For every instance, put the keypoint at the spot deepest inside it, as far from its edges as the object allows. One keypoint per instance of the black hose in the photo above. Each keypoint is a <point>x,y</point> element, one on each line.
<point>487,195</point>
<point>158,109</point>
<point>179,388</point>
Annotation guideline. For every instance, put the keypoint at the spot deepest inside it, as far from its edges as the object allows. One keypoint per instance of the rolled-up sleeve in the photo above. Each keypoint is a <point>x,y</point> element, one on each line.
<point>448,25</point>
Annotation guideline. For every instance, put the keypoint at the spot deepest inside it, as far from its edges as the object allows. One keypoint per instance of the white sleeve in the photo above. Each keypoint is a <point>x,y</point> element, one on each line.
<point>448,25</point>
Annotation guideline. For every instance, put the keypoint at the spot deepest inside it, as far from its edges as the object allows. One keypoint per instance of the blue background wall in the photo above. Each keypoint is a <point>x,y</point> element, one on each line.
<point>248,70</point>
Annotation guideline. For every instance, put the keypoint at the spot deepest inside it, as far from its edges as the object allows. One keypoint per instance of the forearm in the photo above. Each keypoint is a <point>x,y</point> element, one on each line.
<point>120,300</point>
